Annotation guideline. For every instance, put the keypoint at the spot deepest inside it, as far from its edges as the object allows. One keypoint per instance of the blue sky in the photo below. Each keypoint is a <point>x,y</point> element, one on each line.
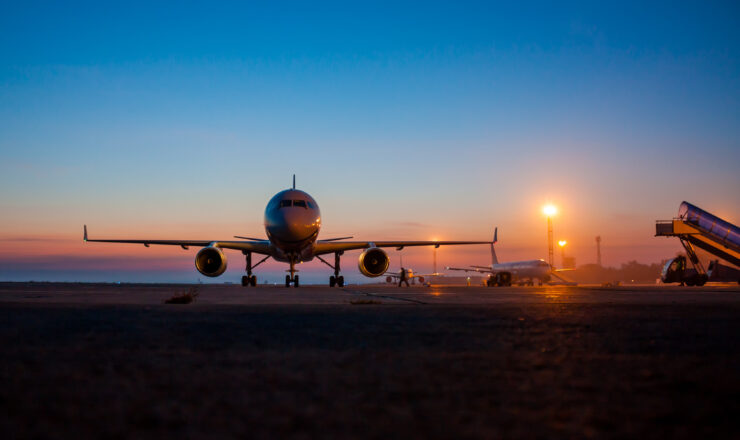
<point>184,117</point>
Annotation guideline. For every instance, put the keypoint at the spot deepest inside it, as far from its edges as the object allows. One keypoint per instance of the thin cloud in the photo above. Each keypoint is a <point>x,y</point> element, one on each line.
<point>34,239</point>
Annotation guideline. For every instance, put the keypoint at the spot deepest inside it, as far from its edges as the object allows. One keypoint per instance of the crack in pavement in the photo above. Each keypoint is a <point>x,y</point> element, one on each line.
<point>375,295</point>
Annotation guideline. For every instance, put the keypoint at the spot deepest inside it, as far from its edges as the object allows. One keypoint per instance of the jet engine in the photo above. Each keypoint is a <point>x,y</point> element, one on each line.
<point>210,261</point>
<point>373,262</point>
<point>421,280</point>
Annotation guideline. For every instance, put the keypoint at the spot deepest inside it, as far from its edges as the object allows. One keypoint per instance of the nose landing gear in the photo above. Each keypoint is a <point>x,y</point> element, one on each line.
<point>292,278</point>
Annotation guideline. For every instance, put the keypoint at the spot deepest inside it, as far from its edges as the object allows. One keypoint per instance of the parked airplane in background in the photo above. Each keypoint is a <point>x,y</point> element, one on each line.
<point>292,223</point>
<point>395,276</point>
<point>503,274</point>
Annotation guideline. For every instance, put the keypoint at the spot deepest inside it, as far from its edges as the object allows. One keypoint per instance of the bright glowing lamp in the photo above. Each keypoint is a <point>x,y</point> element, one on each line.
<point>549,210</point>
<point>562,243</point>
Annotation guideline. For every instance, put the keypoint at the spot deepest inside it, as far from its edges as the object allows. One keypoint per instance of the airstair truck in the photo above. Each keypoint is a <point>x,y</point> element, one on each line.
<point>695,227</point>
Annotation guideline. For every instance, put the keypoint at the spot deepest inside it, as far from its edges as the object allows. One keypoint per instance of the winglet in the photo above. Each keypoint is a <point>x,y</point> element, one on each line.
<point>84,237</point>
<point>495,235</point>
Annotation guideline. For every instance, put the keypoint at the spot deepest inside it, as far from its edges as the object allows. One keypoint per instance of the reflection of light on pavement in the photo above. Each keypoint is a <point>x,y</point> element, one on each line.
<point>435,293</point>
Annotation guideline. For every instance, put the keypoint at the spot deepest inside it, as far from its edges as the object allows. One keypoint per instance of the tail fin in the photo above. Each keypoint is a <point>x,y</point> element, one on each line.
<point>494,259</point>
<point>84,234</point>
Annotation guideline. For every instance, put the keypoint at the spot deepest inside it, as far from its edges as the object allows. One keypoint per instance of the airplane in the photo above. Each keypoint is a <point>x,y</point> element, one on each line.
<point>502,274</point>
<point>395,276</point>
<point>292,224</point>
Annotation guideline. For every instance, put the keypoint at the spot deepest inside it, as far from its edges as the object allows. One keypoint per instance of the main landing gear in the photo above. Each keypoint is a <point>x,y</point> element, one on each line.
<point>336,279</point>
<point>249,279</point>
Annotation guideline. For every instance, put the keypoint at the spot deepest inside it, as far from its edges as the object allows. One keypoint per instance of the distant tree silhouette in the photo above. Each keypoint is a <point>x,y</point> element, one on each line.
<point>629,272</point>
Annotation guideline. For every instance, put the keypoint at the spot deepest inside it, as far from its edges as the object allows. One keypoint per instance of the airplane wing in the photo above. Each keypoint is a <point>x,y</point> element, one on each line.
<point>472,269</point>
<point>259,247</point>
<point>322,247</point>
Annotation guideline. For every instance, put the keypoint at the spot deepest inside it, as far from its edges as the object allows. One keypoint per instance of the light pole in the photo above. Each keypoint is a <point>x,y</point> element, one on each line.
<point>550,211</point>
<point>434,267</point>
<point>562,244</point>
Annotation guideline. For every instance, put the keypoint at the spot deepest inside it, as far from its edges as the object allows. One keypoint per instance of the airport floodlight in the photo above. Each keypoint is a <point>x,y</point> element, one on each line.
<point>550,210</point>
<point>562,243</point>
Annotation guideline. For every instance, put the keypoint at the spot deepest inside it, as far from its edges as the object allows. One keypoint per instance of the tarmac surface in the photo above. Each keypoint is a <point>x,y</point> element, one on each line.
<point>114,361</point>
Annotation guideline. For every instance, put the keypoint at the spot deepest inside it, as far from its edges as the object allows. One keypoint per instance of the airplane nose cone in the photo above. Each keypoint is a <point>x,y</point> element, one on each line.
<point>292,219</point>
<point>290,226</point>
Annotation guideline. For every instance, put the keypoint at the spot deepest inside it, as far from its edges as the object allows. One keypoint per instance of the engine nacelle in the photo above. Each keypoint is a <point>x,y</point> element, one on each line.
<point>210,261</point>
<point>373,262</point>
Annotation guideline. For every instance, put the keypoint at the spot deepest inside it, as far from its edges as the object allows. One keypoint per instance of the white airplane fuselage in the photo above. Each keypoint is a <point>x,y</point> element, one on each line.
<point>292,224</point>
<point>526,269</point>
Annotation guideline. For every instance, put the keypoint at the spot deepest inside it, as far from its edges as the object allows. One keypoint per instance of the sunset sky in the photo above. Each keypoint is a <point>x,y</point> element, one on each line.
<point>403,120</point>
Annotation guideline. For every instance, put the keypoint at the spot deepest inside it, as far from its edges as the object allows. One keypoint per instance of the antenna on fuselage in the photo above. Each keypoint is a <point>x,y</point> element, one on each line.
<point>293,181</point>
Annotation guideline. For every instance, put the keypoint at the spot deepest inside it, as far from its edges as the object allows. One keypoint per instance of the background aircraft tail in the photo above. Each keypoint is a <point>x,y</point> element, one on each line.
<point>494,258</point>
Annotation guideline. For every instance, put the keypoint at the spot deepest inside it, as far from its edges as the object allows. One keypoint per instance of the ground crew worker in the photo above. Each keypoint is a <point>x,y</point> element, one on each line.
<point>403,278</point>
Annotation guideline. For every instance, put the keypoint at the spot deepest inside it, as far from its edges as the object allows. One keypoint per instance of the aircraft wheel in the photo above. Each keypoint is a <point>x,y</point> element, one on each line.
<point>287,280</point>
<point>245,281</point>
<point>702,280</point>
<point>295,281</point>
<point>340,281</point>
<point>253,280</point>
<point>332,281</point>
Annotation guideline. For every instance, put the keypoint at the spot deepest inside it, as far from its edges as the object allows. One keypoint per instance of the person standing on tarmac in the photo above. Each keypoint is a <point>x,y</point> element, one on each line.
<point>403,278</point>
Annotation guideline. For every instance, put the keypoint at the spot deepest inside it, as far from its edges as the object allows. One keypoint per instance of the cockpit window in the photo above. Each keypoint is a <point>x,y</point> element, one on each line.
<point>310,205</point>
<point>286,203</point>
<point>301,203</point>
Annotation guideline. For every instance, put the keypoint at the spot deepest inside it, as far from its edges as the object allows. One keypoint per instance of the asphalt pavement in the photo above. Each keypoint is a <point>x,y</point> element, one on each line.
<point>104,360</point>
